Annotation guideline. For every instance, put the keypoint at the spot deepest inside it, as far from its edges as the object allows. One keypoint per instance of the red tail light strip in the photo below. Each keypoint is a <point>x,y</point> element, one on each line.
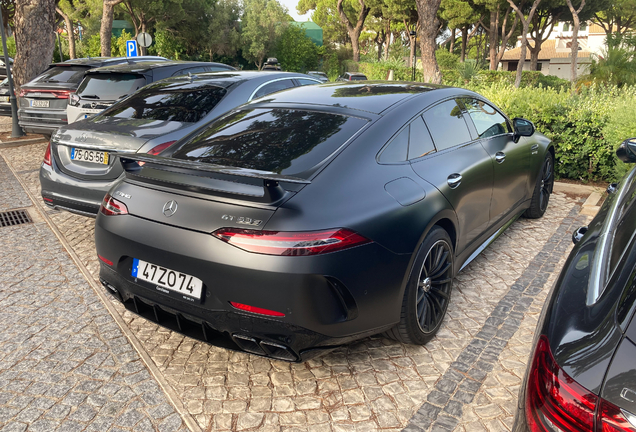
<point>554,401</point>
<point>47,155</point>
<point>59,94</point>
<point>107,261</point>
<point>161,147</point>
<point>256,310</point>
<point>290,243</point>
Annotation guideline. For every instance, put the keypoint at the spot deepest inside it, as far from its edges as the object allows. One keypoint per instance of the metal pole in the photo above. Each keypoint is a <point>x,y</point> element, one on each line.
<point>59,46</point>
<point>414,62</point>
<point>16,130</point>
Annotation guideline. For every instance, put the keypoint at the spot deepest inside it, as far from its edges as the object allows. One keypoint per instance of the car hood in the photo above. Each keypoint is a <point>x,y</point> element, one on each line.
<point>111,133</point>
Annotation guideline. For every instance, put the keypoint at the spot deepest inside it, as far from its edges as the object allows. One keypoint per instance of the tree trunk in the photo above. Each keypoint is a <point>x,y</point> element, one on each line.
<point>575,39</point>
<point>493,34</point>
<point>354,31</point>
<point>69,31</point>
<point>106,29</point>
<point>451,48</point>
<point>534,58</point>
<point>387,43</point>
<point>524,36</point>
<point>34,23</point>
<point>429,24</point>
<point>464,43</point>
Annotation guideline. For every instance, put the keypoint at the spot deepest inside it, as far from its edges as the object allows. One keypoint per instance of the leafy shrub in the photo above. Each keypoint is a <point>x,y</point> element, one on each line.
<point>446,60</point>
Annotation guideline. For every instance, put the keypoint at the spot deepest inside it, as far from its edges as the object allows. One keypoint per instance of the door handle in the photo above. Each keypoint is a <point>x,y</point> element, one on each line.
<point>500,157</point>
<point>454,180</point>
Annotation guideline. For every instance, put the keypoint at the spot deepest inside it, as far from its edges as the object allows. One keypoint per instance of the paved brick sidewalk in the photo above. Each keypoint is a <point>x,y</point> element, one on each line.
<point>64,363</point>
<point>375,383</point>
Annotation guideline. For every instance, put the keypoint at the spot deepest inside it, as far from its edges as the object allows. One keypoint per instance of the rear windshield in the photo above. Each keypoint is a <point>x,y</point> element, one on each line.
<point>358,78</point>
<point>169,102</point>
<point>109,86</point>
<point>288,142</point>
<point>62,74</point>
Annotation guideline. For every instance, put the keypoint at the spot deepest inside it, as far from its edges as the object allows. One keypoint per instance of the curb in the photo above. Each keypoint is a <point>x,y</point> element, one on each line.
<point>593,193</point>
<point>171,395</point>
<point>21,142</point>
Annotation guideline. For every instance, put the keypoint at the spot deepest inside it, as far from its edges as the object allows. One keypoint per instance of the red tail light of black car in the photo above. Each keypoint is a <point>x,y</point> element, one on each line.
<point>555,402</point>
<point>111,207</point>
<point>290,243</point>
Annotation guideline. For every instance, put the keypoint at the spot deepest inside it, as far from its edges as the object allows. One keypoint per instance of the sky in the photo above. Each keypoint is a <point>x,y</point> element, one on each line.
<point>291,5</point>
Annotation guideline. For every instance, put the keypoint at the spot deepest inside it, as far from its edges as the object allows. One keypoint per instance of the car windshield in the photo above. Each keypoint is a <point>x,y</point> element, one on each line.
<point>284,141</point>
<point>169,101</point>
<point>110,86</point>
<point>62,74</point>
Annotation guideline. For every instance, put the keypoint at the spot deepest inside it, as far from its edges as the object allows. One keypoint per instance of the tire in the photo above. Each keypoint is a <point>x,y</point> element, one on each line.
<point>426,298</point>
<point>542,189</point>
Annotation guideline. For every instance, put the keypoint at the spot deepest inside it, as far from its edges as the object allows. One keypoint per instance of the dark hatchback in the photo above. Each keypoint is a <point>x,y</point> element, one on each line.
<point>78,168</point>
<point>42,101</point>
<point>582,371</point>
<point>319,215</point>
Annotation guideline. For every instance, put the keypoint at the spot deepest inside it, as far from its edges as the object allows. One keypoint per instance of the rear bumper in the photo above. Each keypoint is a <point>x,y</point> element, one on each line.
<point>74,114</point>
<point>63,192</point>
<point>41,121</point>
<point>327,300</point>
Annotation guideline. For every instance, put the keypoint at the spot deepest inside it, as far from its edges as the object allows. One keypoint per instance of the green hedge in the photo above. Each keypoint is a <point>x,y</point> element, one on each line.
<point>585,127</point>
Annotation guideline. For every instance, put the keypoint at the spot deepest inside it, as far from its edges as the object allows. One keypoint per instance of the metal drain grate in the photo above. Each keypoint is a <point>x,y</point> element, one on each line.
<point>14,217</point>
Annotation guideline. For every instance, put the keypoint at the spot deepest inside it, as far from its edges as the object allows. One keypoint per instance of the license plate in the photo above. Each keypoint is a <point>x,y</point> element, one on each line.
<point>92,156</point>
<point>4,98</point>
<point>40,103</point>
<point>169,279</point>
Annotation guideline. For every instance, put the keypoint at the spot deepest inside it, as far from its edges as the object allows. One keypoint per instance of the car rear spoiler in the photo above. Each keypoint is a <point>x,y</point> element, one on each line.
<point>272,191</point>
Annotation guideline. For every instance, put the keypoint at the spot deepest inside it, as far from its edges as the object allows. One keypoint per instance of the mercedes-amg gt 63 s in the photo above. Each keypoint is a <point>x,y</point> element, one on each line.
<point>582,372</point>
<point>319,215</point>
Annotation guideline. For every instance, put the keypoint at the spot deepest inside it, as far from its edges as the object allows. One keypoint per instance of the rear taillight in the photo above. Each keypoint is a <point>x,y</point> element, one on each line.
<point>111,207</point>
<point>161,147</point>
<point>256,310</point>
<point>47,155</point>
<point>59,94</point>
<point>555,402</point>
<point>290,243</point>
<point>74,100</point>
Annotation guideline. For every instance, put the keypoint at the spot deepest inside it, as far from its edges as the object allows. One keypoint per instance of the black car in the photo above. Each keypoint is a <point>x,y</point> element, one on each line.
<point>79,168</point>
<point>101,87</point>
<point>582,372</point>
<point>319,215</point>
<point>42,101</point>
<point>5,104</point>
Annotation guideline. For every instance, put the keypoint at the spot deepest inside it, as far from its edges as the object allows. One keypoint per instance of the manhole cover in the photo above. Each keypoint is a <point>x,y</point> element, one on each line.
<point>14,217</point>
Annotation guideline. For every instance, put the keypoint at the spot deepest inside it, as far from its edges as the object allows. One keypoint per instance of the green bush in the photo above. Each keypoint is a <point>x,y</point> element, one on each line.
<point>446,60</point>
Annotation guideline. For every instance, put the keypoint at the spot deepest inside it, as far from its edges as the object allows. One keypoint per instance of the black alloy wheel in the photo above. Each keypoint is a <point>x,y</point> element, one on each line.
<point>433,290</point>
<point>428,290</point>
<point>547,182</point>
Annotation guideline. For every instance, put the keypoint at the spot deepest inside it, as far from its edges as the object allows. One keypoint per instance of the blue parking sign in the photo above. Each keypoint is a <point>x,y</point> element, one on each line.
<point>131,48</point>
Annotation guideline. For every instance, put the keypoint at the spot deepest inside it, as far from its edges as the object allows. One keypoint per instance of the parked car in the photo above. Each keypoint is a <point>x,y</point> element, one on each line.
<point>5,104</point>
<point>3,67</point>
<point>582,373</point>
<point>320,75</point>
<point>352,76</point>
<point>42,101</point>
<point>103,86</point>
<point>319,215</point>
<point>80,168</point>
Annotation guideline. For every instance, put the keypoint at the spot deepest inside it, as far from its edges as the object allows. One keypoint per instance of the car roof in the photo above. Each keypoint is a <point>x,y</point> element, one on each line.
<point>370,96</point>
<point>103,61</point>
<point>145,66</point>
<point>227,78</point>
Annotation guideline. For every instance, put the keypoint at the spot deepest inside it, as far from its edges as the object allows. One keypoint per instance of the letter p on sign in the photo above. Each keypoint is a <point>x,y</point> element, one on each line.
<point>131,48</point>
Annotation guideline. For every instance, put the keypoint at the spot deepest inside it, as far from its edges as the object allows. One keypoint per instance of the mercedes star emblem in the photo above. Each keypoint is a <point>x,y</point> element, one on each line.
<point>170,208</point>
<point>83,137</point>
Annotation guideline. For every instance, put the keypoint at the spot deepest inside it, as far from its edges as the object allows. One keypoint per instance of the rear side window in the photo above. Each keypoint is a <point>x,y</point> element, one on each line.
<point>110,86</point>
<point>283,141</point>
<point>446,124</point>
<point>304,82</point>
<point>62,74</point>
<point>169,102</point>
<point>487,120</point>
<point>413,142</point>
<point>274,87</point>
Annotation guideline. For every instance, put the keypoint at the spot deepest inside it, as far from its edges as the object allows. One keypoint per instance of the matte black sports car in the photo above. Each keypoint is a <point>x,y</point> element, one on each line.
<point>287,225</point>
<point>582,373</point>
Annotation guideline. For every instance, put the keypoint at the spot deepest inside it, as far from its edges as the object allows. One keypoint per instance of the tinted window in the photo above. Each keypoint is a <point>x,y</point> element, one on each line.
<point>110,86</point>
<point>274,87</point>
<point>358,78</point>
<point>420,142</point>
<point>169,102</point>
<point>277,140</point>
<point>397,149</point>
<point>304,81</point>
<point>446,124</point>
<point>62,74</point>
<point>195,70</point>
<point>486,118</point>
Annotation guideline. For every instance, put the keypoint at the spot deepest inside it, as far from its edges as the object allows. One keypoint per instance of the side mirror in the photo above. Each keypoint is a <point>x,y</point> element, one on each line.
<point>627,151</point>
<point>522,127</point>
